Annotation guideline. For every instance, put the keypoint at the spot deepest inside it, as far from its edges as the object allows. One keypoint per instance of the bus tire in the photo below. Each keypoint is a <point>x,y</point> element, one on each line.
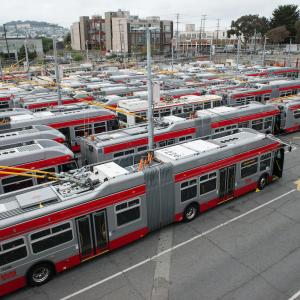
<point>262,182</point>
<point>40,273</point>
<point>190,212</point>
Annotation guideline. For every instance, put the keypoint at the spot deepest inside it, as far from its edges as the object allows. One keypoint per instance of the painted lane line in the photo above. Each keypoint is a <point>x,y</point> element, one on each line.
<point>295,296</point>
<point>176,247</point>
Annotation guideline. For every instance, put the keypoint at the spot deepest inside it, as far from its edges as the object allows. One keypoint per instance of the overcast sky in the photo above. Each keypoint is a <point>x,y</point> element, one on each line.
<point>65,12</point>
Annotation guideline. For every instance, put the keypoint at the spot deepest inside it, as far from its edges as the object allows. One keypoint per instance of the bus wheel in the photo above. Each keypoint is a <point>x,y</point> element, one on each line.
<point>40,274</point>
<point>190,212</point>
<point>262,182</point>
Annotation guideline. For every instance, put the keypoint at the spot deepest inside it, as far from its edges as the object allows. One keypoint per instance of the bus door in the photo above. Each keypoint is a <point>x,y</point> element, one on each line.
<point>66,132</point>
<point>278,163</point>
<point>92,234</point>
<point>227,183</point>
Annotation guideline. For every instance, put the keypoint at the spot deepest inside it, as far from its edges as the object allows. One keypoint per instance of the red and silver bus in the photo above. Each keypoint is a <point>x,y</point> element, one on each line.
<point>73,121</point>
<point>263,92</point>
<point>33,132</point>
<point>43,155</point>
<point>38,104</point>
<point>275,71</point>
<point>128,145</point>
<point>51,228</point>
<point>134,111</point>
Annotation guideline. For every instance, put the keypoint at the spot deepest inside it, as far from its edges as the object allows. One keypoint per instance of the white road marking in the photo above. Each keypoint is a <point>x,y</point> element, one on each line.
<point>160,290</point>
<point>176,247</point>
<point>295,296</point>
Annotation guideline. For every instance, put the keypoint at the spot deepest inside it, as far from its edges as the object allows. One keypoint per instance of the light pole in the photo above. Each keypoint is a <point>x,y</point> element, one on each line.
<point>26,56</point>
<point>238,54</point>
<point>56,71</point>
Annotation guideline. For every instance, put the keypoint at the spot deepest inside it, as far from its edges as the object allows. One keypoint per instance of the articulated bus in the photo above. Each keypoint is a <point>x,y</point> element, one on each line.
<point>275,71</point>
<point>73,121</point>
<point>48,229</point>
<point>29,133</point>
<point>134,111</point>
<point>43,155</point>
<point>128,145</point>
<point>39,104</point>
<point>263,92</point>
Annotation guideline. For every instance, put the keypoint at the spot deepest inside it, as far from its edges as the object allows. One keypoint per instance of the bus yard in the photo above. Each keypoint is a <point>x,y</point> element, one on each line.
<point>219,134</point>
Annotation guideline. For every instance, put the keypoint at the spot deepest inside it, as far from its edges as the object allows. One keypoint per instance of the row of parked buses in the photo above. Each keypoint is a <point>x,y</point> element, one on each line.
<point>285,72</point>
<point>78,127</point>
<point>49,228</point>
<point>73,121</point>
<point>130,144</point>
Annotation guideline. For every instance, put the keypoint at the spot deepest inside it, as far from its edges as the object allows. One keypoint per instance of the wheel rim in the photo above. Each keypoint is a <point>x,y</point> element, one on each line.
<point>40,274</point>
<point>191,213</point>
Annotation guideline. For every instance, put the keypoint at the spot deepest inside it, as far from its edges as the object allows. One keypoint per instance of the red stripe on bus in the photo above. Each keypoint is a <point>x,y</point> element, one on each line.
<point>294,107</point>
<point>59,140</point>
<point>251,94</point>
<point>128,238</point>
<point>292,87</point>
<point>36,165</point>
<point>245,118</point>
<point>225,162</point>
<point>292,129</point>
<point>67,263</point>
<point>5,98</point>
<point>55,102</point>
<point>68,213</point>
<point>82,121</point>
<point>13,285</point>
<point>144,141</point>
<point>285,71</point>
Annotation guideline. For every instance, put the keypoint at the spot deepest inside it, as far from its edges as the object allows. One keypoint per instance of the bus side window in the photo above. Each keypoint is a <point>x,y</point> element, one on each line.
<point>67,167</point>
<point>12,251</point>
<point>16,183</point>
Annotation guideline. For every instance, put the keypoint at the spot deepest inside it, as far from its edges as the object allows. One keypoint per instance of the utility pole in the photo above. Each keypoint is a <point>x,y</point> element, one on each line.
<point>255,41</point>
<point>177,35</point>
<point>87,50</point>
<point>172,52</point>
<point>56,71</point>
<point>264,52</point>
<point>210,51</point>
<point>150,91</point>
<point>238,54</point>
<point>290,46</point>
<point>218,29</point>
<point>1,71</point>
<point>27,58</point>
<point>203,26</point>
<point>200,37</point>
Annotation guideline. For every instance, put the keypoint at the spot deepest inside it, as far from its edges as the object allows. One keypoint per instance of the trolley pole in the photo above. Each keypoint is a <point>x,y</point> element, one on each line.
<point>264,52</point>
<point>238,54</point>
<point>56,71</point>
<point>1,71</point>
<point>27,58</point>
<point>150,94</point>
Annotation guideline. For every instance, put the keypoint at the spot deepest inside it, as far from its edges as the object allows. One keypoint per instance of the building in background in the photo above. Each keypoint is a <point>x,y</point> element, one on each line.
<point>122,33</point>
<point>108,25</point>
<point>13,45</point>
<point>88,33</point>
<point>129,35</point>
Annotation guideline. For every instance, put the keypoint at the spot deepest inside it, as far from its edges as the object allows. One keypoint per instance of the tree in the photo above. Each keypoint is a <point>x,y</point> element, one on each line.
<point>278,34</point>
<point>247,25</point>
<point>47,44</point>
<point>67,41</point>
<point>77,57</point>
<point>286,15</point>
<point>22,54</point>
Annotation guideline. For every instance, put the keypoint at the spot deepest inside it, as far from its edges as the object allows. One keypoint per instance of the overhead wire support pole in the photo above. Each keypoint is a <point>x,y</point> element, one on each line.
<point>177,35</point>
<point>218,29</point>
<point>238,54</point>
<point>150,91</point>
<point>27,58</point>
<point>264,52</point>
<point>56,71</point>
